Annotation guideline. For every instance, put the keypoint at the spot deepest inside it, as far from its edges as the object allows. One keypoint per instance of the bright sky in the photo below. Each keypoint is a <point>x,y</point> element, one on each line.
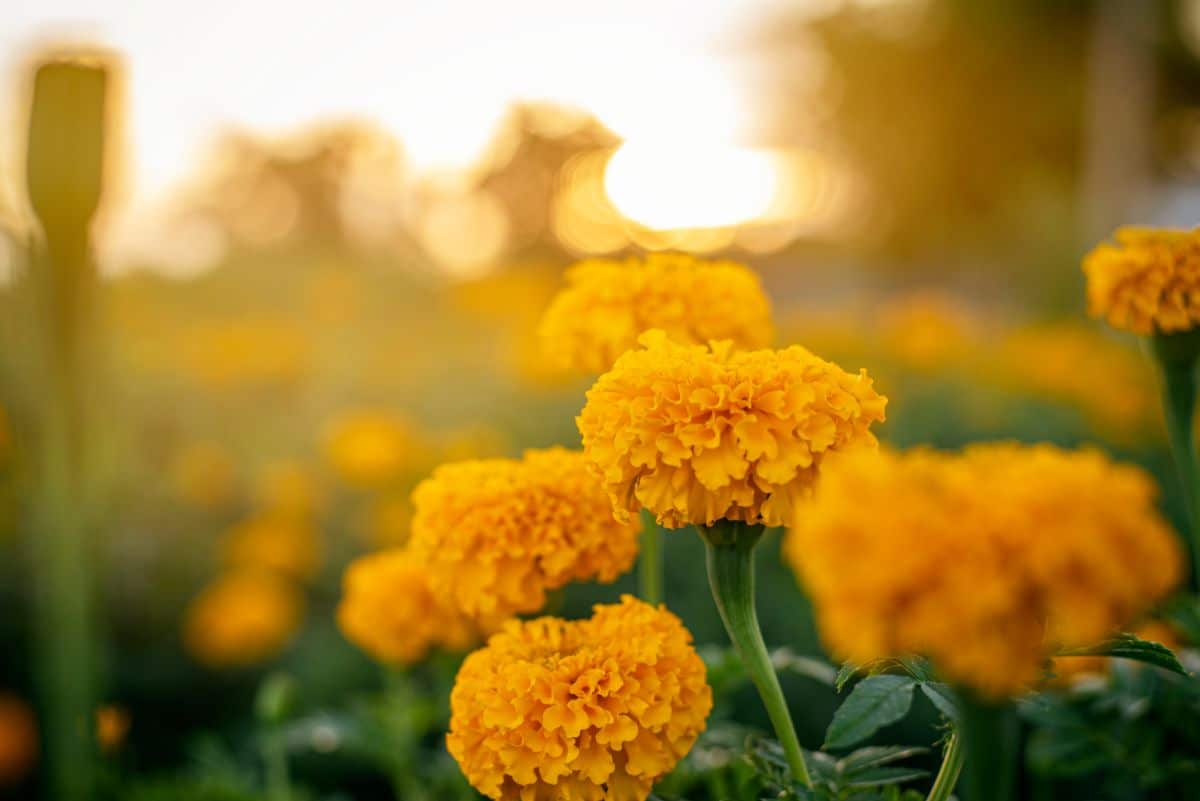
<point>437,72</point>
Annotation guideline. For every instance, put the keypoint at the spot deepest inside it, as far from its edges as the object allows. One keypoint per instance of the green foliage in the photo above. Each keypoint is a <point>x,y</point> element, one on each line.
<point>1128,646</point>
<point>874,702</point>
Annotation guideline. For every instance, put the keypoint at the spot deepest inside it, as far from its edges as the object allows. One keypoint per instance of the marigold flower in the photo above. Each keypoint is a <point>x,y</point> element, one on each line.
<point>580,710</point>
<point>497,534</point>
<point>389,610</point>
<point>284,545</point>
<point>696,434</point>
<point>607,304</point>
<point>242,618</point>
<point>986,561</point>
<point>369,448</point>
<point>204,475</point>
<point>112,724</point>
<point>18,739</point>
<point>288,489</point>
<point>1148,281</point>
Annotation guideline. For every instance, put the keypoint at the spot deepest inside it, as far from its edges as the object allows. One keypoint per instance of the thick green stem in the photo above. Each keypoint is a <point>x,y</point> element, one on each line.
<point>947,777</point>
<point>1179,404</point>
<point>650,569</point>
<point>991,737</point>
<point>730,561</point>
<point>275,759</point>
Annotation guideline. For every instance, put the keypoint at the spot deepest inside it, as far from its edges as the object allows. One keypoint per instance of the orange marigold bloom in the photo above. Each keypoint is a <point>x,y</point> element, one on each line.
<point>369,448</point>
<point>112,724</point>
<point>697,434</point>
<point>271,542</point>
<point>607,304</point>
<point>986,561</point>
<point>242,618</point>
<point>18,739</point>
<point>497,534</point>
<point>1148,282</point>
<point>389,610</point>
<point>579,710</point>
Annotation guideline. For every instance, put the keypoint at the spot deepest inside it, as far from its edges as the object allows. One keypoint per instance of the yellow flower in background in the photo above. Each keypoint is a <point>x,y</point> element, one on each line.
<point>204,475</point>
<point>368,448</point>
<point>288,489</point>
<point>229,353</point>
<point>697,434</point>
<point>112,724</point>
<point>389,610</point>
<point>475,442</point>
<point>1067,362</point>
<point>387,521</point>
<point>985,561</point>
<point>1149,281</point>
<point>18,739</point>
<point>582,710</point>
<point>284,545</point>
<point>242,618</point>
<point>497,534</point>
<point>607,305</point>
<point>928,330</point>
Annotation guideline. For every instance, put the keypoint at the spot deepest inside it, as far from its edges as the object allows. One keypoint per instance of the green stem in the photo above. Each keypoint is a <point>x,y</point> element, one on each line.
<point>730,560</point>
<point>650,569</point>
<point>947,777</point>
<point>991,738</point>
<point>275,759</point>
<point>1179,404</point>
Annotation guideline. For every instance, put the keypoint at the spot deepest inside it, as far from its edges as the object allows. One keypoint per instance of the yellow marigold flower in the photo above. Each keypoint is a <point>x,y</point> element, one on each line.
<point>929,330</point>
<point>1071,670</point>
<point>288,489</point>
<point>607,305</point>
<point>497,534</point>
<point>18,739</point>
<point>386,522</point>
<point>579,710</point>
<point>286,546</point>
<point>1148,281</point>
<point>389,610</point>
<point>986,561</point>
<point>242,618</point>
<point>204,475</point>
<point>697,434</point>
<point>112,724</point>
<point>369,448</point>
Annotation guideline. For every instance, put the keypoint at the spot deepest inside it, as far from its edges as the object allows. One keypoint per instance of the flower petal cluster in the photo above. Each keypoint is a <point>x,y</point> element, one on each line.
<point>285,545</point>
<point>1149,281</point>
<point>242,618</point>
<point>607,304</point>
<point>368,447</point>
<point>389,610</point>
<point>986,561</point>
<point>701,433</point>
<point>579,710</point>
<point>497,534</point>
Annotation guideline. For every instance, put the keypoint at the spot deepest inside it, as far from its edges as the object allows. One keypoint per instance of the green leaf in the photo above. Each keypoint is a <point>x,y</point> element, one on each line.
<point>874,703</point>
<point>881,777</point>
<point>847,671</point>
<point>941,697</point>
<point>876,756</point>
<point>1127,646</point>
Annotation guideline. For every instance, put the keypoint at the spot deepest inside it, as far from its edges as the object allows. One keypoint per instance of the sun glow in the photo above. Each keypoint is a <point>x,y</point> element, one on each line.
<point>673,186</point>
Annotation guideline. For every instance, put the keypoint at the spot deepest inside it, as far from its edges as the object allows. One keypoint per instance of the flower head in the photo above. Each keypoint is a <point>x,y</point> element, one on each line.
<point>369,448</point>
<point>18,739</point>
<point>389,610</point>
<point>112,724</point>
<point>497,534</point>
<point>696,434</point>
<point>1148,282</point>
<point>583,710</point>
<point>273,542</point>
<point>985,561</point>
<point>608,304</point>
<point>242,618</point>
<point>204,475</point>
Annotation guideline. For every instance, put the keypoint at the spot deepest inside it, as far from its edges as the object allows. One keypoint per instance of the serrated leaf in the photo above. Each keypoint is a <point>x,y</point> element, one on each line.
<point>874,703</point>
<point>1127,646</point>
<point>880,777</point>
<point>941,696</point>
<point>847,671</point>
